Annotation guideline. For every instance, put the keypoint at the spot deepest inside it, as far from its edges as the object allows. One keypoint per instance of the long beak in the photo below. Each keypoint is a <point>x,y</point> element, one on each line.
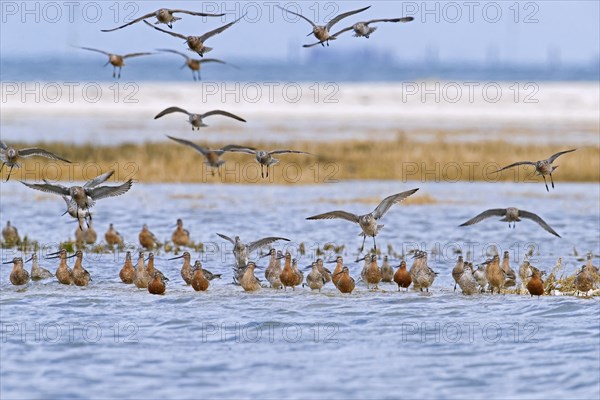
<point>331,262</point>
<point>265,255</point>
<point>361,259</point>
<point>56,252</point>
<point>51,258</point>
<point>310,33</point>
<point>30,258</point>
<point>146,259</point>
<point>72,255</point>
<point>8,262</point>
<point>280,257</point>
<point>175,258</point>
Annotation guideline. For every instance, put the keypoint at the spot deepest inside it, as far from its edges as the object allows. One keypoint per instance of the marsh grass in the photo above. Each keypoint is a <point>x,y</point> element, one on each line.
<point>402,159</point>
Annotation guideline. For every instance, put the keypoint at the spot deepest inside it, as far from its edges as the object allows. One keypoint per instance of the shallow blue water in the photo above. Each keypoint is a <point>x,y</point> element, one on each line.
<point>113,341</point>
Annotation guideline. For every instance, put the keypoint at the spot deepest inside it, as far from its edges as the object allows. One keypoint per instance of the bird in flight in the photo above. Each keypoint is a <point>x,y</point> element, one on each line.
<point>513,215</point>
<point>368,222</point>
<point>196,120</point>
<point>321,32</point>
<point>542,167</point>
<point>116,60</point>
<point>10,156</point>
<point>164,16</point>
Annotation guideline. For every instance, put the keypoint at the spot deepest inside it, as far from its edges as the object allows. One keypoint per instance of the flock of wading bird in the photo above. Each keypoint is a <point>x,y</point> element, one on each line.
<point>79,199</point>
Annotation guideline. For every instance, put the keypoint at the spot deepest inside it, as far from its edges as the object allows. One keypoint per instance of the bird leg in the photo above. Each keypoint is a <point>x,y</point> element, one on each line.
<point>114,72</point>
<point>374,244</point>
<point>9,172</point>
<point>552,181</point>
<point>120,68</point>
<point>543,176</point>
<point>2,167</point>
<point>455,286</point>
<point>363,243</point>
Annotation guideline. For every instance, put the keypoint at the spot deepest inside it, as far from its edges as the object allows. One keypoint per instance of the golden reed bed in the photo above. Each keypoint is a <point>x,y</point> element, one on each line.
<point>401,159</point>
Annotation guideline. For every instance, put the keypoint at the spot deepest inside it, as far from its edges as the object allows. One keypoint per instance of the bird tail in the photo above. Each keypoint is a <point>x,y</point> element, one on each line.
<point>206,49</point>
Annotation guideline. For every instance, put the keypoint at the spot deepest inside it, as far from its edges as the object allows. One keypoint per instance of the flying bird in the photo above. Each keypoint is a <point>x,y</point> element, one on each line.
<point>265,158</point>
<point>10,156</point>
<point>196,43</point>
<point>194,64</point>
<point>542,167</point>
<point>116,60</point>
<point>368,222</point>
<point>321,32</point>
<point>510,214</point>
<point>164,16</point>
<point>83,198</point>
<point>212,156</point>
<point>196,120</point>
<point>241,251</point>
<point>362,29</point>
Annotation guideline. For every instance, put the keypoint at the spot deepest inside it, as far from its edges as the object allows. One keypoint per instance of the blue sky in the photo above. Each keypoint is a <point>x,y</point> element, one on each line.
<point>504,31</point>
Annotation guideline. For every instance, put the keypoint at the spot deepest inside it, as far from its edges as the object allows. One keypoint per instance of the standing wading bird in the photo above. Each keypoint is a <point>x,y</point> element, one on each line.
<point>265,158</point>
<point>116,60</point>
<point>186,268</point>
<point>10,234</point>
<point>248,281</point>
<point>127,272</point>
<point>212,156</point>
<point>38,273</point>
<point>112,236</point>
<point>542,167</point>
<point>81,197</point>
<point>402,276</point>
<point>368,222</point>
<point>181,236</point>
<point>64,274</point>
<point>147,239</point>
<point>510,214</point>
<point>196,120</point>
<point>241,251</point>
<point>10,156</point>
<point>164,16</point>
<point>194,64</point>
<point>362,29</point>
<point>273,270</point>
<point>196,43</point>
<point>315,280</point>
<point>18,275</point>
<point>321,32</point>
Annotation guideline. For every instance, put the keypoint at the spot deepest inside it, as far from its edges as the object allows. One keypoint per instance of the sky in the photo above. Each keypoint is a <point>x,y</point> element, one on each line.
<point>516,32</point>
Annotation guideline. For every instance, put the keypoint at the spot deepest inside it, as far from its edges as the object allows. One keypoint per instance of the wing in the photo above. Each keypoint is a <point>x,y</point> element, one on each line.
<point>42,153</point>
<point>170,110</point>
<point>207,60</point>
<point>226,238</point>
<point>199,14</point>
<point>336,214</point>
<point>232,147</point>
<point>494,212</point>
<point>288,151</point>
<point>100,179</point>
<point>130,55</point>
<point>334,35</point>
<point>3,145</point>
<point>264,242</point>
<point>96,50</point>
<point>516,164</point>
<point>238,149</point>
<point>109,191</point>
<point>389,201</point>
<point>214,32</point>
<point>196,147</point>
<point>311,45</point>
<point>49,188</point>
<point>405,19</point>
<point>298,15</point>
<point>536,218</point>
<point>338,18</point>
<point>555,156</point>
<point>179,35</point>
<point>152,14</point>
<point>225,113</point>
<point>174,52</point>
